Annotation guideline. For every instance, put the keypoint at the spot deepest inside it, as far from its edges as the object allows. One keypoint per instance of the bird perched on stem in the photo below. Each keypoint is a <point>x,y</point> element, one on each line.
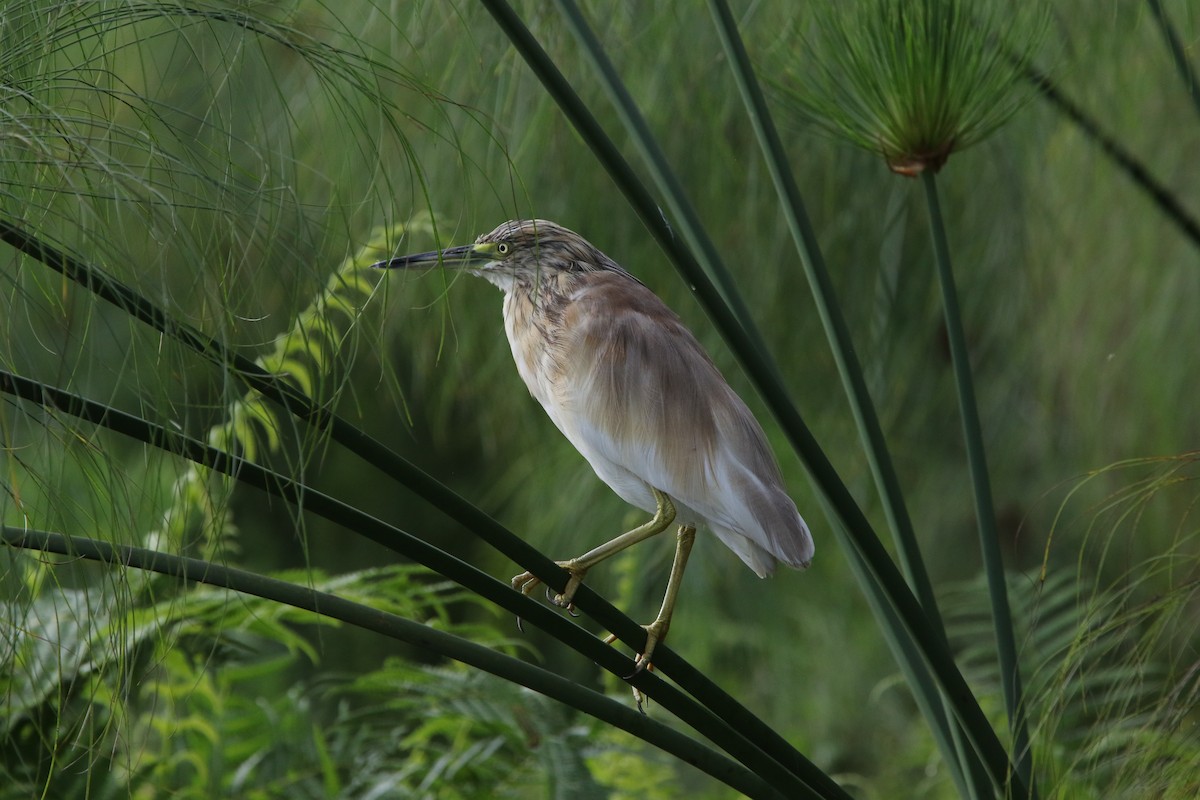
<point>635,393</point>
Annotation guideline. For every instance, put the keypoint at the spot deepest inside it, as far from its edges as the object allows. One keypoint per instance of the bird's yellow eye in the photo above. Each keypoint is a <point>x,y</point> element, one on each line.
<point>502,249</point>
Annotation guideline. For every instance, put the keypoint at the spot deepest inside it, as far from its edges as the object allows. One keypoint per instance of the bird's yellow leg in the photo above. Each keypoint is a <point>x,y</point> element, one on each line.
<point>657,631</point>
<point>664,515</point>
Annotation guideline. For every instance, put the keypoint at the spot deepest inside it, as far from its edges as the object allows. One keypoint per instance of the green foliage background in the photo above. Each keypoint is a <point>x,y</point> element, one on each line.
<point>227,168</point>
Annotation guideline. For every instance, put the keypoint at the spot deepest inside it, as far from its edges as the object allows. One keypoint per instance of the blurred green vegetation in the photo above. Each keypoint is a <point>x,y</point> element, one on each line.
<point>226,168</point>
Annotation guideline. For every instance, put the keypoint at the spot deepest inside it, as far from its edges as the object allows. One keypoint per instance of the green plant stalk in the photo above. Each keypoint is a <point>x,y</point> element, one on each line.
<point>989,542</point>
<point>304,497</point>
<point>393,626</point>
<point>950,737</point>
<point>1178,54</point>
<point>666,661</point>
<point>857,532</point>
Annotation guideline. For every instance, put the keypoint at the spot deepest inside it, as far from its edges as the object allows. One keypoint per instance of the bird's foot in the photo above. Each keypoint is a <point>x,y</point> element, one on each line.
<point>655,632</point>
<point>526,582</point>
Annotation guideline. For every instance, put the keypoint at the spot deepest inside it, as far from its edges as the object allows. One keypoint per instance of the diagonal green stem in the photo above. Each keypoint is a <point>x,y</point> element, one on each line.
<point>400,629</point>
<point>684,213</point>
<point>829,310</point>
<point>989,541</point>
<point>1135,170</point>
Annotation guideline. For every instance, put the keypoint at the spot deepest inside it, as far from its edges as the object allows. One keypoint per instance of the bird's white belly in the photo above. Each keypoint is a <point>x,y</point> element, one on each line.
<point>629,486</point>
<point>633,488</point>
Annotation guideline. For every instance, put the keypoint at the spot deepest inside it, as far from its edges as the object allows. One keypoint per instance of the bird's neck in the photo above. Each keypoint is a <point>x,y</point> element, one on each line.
<point>533,311</point>
<point>537,294</point>
<point>529,304</point>
<point>533,325</point>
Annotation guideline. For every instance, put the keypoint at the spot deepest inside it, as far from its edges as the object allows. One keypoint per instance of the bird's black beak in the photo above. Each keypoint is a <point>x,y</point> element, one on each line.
<point>461,256</point>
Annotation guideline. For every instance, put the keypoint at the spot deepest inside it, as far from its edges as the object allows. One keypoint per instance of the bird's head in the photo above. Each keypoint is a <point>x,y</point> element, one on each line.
<point>524,252</point>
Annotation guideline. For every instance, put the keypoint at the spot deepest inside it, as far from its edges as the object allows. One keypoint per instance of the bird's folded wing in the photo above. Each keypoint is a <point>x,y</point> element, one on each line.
<point>643,396</point>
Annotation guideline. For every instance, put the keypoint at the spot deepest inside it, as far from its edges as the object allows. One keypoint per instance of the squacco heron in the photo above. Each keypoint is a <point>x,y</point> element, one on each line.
<point>638,397</point>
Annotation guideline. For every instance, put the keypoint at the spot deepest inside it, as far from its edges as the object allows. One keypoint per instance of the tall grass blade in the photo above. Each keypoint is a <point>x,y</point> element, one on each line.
<point>669,186</point>
<point>985,512</point>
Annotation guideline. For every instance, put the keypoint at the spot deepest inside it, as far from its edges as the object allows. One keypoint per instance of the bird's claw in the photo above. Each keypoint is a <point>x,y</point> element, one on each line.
<point>559,600</point>
<point>655,632</point>
<point>526,582</point>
